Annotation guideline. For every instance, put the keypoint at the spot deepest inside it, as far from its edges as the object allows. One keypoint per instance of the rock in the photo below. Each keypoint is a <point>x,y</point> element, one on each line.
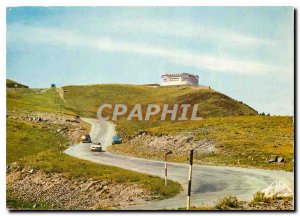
<point>14,164</point>
<point>92,184</point>
<point>273,158</point>
<point>31,171</point>
<point>189,139</point>
<point>280,159</point>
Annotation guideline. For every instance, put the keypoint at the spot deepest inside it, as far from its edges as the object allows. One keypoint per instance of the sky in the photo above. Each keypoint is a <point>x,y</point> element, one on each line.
<point>246,53</point>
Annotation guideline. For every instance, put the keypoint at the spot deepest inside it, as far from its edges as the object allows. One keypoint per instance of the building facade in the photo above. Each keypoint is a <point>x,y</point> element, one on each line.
<point>179,79</point>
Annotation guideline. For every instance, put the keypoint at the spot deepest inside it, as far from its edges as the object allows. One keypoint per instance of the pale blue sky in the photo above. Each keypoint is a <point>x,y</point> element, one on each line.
<point>244,52</point>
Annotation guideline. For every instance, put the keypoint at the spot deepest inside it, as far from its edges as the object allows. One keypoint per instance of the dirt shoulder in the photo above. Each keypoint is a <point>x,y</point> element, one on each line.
<point>60,192</point>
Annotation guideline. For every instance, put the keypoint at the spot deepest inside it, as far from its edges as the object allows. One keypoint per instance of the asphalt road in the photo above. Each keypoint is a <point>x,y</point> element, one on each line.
<point>208,184</point>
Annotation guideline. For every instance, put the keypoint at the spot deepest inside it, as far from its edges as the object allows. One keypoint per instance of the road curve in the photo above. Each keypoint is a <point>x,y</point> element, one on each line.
<point>209,182</point>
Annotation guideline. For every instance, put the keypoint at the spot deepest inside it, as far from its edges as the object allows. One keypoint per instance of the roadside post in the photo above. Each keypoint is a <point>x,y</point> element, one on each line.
<point>166,167</point>
<point>188,203</point>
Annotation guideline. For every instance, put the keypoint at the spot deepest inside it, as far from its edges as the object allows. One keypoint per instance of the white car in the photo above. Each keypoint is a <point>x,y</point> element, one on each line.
<point>96,146</point>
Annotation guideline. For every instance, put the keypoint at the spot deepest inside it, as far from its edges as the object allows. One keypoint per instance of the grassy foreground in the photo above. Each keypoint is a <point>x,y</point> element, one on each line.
<point>42,151</point>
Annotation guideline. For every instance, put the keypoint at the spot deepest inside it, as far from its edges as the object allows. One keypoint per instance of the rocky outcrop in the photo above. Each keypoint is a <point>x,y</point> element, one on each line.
<point>70,126</point>
<point>275,158</point>
<point>179,144</point>
<point>65,193</point>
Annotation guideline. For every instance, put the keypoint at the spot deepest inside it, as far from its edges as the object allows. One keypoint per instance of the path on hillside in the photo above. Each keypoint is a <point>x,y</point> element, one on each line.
<point>209,182</point>
<point>60,92</point>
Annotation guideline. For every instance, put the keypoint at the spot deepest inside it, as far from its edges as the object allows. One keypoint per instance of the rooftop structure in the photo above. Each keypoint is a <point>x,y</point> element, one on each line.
<point>169,79</point>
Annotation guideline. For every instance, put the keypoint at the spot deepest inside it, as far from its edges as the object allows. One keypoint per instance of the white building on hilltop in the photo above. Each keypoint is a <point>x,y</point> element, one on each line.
<point>179,79</point>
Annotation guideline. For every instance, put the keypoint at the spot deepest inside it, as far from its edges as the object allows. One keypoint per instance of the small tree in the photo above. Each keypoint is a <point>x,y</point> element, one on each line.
<point>53,85</point>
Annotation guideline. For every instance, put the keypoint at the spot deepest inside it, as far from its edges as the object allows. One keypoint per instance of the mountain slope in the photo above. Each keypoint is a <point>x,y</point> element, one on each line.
<point>85,100</point>
<point>14,84</point>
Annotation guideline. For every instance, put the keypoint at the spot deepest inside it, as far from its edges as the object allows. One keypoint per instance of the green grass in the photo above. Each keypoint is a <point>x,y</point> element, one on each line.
<point>41,149</point>
<point>240,141</point>
<point>243,140</point>
<point>33,100</point>
<point>85,100</point>
<point>227,203</point>
<point>26,139</point>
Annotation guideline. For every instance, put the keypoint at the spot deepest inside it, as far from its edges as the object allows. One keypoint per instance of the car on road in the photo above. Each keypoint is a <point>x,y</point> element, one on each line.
<point>96,146</point>
<point>86,138</point>
<point>116,140</point>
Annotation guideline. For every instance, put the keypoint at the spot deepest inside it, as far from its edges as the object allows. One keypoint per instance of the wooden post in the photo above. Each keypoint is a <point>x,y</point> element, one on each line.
<point>166,167</point>
<point>166,170</point>
<point>188,203</point>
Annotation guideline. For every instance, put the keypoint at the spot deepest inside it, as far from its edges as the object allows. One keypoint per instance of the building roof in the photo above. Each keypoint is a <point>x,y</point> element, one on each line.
<point>180,75</point>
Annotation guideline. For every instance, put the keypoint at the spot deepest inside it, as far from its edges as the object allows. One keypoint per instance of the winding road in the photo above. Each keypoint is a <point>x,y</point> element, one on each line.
<point>209,182</point>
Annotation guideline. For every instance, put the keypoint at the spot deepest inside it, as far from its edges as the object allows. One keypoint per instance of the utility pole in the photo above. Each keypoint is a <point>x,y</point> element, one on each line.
<point>188,203</point>
<point>166,167</point>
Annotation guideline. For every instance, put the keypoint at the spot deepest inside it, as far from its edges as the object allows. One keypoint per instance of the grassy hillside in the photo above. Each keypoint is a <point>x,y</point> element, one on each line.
<point>242,138</point>
<point>85,100</point>
<point>14,84</point>
<point>240,141</point>
<point>39,148</point>
<point>35,100</point>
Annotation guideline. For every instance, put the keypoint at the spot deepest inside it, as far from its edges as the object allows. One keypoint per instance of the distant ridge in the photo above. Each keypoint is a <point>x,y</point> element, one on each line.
<point>14,84</point>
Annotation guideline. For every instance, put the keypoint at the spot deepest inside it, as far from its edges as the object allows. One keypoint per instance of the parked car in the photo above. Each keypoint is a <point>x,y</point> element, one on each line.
<point>86,138</point>
<point>96,146</point>
<point>116,140</point>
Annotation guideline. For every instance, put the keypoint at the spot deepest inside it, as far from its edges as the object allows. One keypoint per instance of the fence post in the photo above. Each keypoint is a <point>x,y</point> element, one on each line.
<point>190,181</point>
<point>166,170</point>
<point>166,167</point>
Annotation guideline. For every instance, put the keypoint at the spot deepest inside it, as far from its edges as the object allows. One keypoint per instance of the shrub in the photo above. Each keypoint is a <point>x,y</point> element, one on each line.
<point>260,197</point>
<point>227,202</point>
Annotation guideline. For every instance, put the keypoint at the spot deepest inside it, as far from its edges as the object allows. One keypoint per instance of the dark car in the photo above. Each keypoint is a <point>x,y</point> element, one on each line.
<point>116,140</point>
<point>86,138</point>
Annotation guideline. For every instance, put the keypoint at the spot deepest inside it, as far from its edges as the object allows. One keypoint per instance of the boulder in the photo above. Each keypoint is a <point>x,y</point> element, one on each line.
<point>273,158</point>
<point>280,159</point>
